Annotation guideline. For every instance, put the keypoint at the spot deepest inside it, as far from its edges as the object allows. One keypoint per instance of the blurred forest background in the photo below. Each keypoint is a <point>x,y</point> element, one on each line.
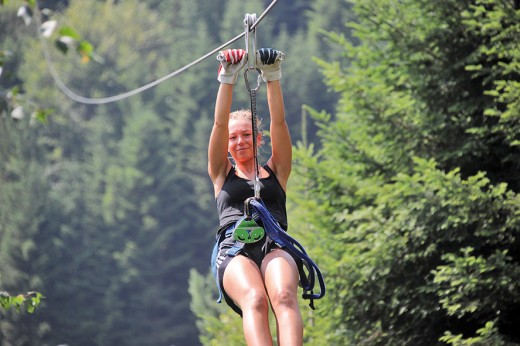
<point>405,118</point>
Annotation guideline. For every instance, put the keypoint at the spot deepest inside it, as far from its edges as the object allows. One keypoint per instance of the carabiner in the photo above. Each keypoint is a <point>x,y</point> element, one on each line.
<point>248,212</point>
<point>258,79</point>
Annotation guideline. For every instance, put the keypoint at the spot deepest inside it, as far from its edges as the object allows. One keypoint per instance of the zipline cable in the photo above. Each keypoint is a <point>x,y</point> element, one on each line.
<point>97,101</point>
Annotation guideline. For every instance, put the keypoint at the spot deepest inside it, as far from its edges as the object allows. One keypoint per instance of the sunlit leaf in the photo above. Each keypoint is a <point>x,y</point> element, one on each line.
<point>18,113</point>
<point>85,49</point>
<point>61,45</point>
<point>68,31</point>
<point>25,13</point>
<point>5,300</point>
<point>46,12</point>
<point>42,115</point>
<point>13,92</point>
<point>48,28</point>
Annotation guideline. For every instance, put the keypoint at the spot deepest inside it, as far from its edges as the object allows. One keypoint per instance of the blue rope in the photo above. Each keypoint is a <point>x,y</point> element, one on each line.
<point>283,239</point>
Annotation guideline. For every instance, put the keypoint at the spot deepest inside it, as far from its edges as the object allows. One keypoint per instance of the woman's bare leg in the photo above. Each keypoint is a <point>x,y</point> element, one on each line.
<point>244,284</point>
<point>281,281</point>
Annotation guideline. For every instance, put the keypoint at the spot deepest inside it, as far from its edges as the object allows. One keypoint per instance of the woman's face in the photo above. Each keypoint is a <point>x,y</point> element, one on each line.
<point>240,144</point>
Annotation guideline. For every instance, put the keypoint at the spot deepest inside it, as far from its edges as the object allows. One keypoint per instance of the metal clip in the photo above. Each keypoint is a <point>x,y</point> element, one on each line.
<point>258,78</point>
<point>247,208</point>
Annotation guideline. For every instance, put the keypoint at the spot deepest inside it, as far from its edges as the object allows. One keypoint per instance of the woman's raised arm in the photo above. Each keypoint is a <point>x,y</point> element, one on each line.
<point>231,62</point>
<point>269,61</point>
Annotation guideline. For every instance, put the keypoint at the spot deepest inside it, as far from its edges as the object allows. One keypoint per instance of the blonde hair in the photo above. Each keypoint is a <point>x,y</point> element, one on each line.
<point>246,114</point>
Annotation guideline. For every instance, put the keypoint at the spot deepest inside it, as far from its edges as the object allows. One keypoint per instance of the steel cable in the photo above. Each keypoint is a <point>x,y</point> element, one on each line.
<point>103,100</point>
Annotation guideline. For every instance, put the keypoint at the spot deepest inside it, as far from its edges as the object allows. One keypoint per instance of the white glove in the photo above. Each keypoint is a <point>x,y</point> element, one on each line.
<point>231,62</point>
<point>269,61</point>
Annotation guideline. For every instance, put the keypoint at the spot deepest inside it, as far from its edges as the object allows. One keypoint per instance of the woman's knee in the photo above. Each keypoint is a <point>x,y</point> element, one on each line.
<point>256,299</point>
<point>283,298</point>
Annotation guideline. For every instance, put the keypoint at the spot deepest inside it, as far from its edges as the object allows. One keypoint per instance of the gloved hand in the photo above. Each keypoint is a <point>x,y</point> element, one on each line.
<point>269,61</point>
<point>231,62</point>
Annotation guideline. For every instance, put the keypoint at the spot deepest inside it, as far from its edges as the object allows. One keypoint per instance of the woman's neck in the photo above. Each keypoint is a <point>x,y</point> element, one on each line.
<point>247,171</point>
<point>247,168</point>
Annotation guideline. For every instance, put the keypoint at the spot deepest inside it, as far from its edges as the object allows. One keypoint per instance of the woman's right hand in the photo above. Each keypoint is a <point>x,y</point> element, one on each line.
<point>231,62</point>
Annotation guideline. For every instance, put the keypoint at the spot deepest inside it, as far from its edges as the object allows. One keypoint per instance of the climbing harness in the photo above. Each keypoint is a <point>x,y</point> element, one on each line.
<point>103,100</point>
<point>256,210</point>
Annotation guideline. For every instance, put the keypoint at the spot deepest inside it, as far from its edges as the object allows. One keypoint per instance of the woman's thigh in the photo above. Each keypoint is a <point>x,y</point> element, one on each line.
<point>243,281</point>
<point>280,272</point>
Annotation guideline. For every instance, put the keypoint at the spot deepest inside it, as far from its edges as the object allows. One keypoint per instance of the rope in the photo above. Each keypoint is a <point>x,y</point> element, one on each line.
<point>103,100</point>
<point>282,238</point>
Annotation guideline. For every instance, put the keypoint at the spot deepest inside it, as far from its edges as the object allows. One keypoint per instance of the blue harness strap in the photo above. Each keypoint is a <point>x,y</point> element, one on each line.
<point>308,270</point>
<point>283,239</point>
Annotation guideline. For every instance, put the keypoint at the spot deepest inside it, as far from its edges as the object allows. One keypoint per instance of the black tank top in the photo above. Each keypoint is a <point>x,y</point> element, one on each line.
<point>230,200</point>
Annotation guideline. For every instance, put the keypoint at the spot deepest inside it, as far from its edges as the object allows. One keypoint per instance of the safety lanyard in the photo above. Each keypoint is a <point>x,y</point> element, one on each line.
<point>249,20</point>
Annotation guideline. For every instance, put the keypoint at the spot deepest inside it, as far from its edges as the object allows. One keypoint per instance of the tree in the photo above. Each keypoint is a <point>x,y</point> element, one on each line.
<point>142,152</point>
<point>22,192</point>
<point>414,194</point>
<point>23,198</point>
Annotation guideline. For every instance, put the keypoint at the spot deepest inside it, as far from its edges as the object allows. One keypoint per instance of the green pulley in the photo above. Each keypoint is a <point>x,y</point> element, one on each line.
<point>248,232</point>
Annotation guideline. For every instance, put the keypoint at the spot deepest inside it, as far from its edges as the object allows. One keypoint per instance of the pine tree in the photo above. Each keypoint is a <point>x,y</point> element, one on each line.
<point>126,186</point>
<point>414,196</point>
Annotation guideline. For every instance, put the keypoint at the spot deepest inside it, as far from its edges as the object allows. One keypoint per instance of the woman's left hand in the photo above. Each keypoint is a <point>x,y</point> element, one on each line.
<point>269,61</point>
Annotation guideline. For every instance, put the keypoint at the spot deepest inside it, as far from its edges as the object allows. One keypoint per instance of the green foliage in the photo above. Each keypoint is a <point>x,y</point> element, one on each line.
<point>23,199</point>
<point>488,335</point>
<point>217,324</point>
<point>28,301</point>
<point>465,277</point>
<point>121,240</point>
<point>414,192</point>
<point>68,37</point>
<point>499,58</point>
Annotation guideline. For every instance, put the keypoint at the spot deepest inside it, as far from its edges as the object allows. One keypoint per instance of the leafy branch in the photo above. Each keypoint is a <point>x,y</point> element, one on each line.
<point>29,301</point>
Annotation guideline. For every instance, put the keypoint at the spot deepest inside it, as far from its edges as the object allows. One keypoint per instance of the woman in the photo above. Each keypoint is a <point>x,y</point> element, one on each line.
<point>260,273</point>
